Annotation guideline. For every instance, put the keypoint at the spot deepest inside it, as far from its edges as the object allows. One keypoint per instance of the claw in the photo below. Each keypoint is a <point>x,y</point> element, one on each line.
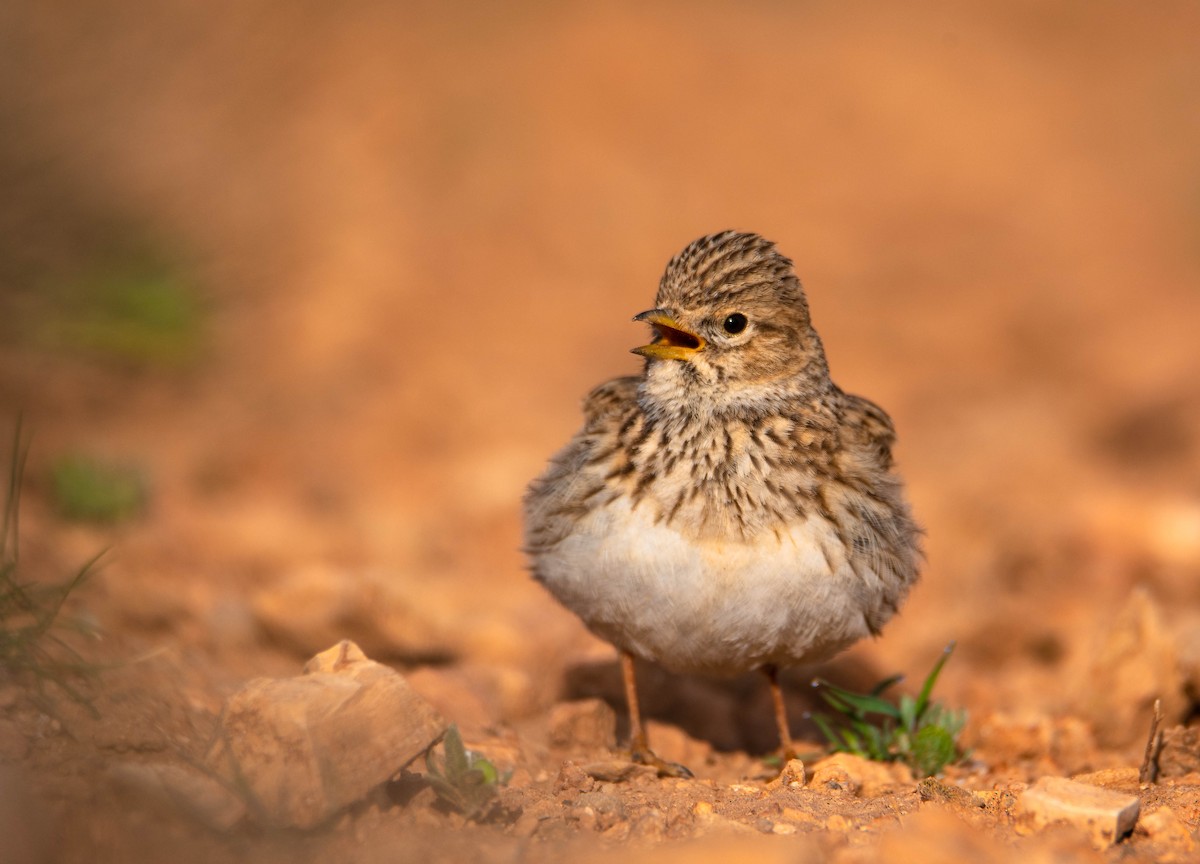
<point>664,768</point>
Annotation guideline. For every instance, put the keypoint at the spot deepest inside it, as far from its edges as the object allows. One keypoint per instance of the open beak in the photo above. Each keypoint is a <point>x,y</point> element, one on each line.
<point>671,342</point>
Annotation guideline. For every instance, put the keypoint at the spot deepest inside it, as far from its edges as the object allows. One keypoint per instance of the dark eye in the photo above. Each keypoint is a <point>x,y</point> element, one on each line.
<point>735,323</point>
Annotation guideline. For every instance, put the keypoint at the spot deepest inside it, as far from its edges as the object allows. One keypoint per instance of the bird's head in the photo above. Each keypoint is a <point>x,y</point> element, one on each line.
<point>730,322</point>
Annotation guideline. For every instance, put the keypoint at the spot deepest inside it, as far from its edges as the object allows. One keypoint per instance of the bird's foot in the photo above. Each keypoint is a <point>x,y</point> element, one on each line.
<point>665,769</point>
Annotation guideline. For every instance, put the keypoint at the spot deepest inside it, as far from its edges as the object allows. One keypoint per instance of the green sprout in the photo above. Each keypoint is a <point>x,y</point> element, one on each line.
<point>30,612</point>
<point>919,732</point>
<point>464,780</point>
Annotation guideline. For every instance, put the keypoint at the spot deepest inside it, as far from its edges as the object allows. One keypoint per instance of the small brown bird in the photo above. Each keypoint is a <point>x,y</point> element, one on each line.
<point>731,508</point>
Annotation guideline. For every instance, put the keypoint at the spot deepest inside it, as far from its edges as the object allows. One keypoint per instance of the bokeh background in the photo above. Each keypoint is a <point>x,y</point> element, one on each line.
<point>324,284</point>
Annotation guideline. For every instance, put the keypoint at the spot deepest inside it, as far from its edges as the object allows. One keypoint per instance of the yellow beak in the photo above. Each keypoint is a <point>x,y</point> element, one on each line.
<point>671,342</point>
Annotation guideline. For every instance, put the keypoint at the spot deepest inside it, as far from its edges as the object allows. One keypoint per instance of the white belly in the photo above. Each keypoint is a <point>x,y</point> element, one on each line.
<point>710,606</point>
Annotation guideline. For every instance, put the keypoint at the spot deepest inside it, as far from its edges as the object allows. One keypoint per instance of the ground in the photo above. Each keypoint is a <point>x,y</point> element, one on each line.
<point>331,283</point>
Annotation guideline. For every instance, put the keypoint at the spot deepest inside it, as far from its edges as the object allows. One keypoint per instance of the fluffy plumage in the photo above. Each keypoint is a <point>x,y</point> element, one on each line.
<point>731,508</point>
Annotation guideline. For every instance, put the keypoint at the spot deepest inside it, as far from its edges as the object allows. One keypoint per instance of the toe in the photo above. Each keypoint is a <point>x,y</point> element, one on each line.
<point>664,768</point>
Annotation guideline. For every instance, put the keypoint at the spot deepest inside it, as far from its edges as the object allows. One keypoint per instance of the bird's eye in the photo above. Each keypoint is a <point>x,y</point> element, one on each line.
<point>735,323</point>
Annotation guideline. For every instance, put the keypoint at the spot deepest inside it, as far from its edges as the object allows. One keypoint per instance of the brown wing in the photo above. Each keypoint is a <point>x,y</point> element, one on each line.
<point>612,399</point>
<point>576,474</point>
<point>871,426</point>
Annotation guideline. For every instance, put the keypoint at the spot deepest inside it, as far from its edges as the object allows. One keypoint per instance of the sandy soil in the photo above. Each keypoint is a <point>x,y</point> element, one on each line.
<point>419,233</point>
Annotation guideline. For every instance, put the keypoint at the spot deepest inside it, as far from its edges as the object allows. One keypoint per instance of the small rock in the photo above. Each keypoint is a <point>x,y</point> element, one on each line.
<point>853,775</point>
<point>533,815</point>
<point>573,778</point>
<point>838,824</point>
<point>194,793</point>
<point>1166,830</point>
<point>1105,815</point>
<point>792,775</point>
<point>607,808</point>
<point>933,789</point>
<point>650,826</point>
<point>584,817</point>
<point>586,724</point>
<point>306,747</point>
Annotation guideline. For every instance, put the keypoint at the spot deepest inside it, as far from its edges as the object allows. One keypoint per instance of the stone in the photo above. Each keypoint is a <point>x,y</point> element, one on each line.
<point>1169,833</point>
<point>607,809</point>
<point>1104,815</point>
<point>588,724</point>
<point>846,773</point>
<point>304,748</point>
<point>792,776</point>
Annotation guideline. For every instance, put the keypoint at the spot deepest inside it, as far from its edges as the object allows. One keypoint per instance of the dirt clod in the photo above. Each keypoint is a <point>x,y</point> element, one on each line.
<point>304,748</point>
<point>1105,816</point>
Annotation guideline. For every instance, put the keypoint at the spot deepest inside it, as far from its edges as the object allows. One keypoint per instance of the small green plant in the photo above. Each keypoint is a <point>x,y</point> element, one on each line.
<point>91,490</point>
<point>31,623</point>
<point>919,732</point>
<point>464,780</point>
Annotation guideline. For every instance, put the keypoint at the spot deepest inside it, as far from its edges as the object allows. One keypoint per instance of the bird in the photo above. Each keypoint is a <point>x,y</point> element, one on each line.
<point>729,509</point>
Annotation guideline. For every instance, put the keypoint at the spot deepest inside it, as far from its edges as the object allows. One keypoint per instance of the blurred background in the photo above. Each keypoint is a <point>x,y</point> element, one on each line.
<point>297,297</point>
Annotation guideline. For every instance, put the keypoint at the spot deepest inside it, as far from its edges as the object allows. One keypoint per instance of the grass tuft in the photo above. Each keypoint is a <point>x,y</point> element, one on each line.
<point>464,780</point>
<point>32,626</point>
<point>920,732</point>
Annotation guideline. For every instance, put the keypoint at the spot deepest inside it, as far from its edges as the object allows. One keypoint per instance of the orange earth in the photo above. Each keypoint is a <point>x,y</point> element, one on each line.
<point>415,235</point>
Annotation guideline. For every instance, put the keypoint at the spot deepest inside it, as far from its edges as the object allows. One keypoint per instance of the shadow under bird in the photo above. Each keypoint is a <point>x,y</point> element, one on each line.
<point>730,508</point>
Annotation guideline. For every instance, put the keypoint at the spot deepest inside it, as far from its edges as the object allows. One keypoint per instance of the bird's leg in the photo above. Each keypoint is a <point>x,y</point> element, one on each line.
<point>640,747</point>
<point>787,751</point>
<point>637,734</point>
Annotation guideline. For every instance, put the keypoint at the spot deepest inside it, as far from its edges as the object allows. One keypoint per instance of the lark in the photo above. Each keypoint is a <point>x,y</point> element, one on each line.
<point>730,508</point>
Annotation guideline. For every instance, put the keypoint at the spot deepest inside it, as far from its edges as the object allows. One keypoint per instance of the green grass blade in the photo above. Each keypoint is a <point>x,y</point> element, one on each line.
<point>927,690</point>
<point>854,704</point>
<point>886,684</point>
